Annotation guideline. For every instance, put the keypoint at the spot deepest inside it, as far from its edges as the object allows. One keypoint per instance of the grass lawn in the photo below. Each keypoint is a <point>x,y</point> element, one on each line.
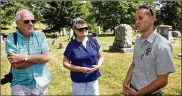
<point>113,70</point>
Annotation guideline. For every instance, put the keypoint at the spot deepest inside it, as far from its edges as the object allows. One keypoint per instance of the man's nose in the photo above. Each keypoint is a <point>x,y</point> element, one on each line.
<point>30,23</point>
<point>136,21</point>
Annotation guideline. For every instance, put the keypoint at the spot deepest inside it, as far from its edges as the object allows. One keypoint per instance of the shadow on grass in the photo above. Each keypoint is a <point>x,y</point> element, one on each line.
<point>118,94</point>
<point>105,35</point>
<point>4,28</point>
<point>107,51</point>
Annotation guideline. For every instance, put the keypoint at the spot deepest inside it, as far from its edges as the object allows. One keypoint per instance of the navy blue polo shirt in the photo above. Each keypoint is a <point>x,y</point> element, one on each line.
<point>84,57</point>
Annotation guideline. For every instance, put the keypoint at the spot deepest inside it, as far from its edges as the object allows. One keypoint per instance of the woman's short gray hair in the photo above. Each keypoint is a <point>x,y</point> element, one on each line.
<point>78,21</point>
<point>21,12</point>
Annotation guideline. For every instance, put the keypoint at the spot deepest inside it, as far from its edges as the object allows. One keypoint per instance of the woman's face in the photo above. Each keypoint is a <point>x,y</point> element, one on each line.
<point>81,30</point>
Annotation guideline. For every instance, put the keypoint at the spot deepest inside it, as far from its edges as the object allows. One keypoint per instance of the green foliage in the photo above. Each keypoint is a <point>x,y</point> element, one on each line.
<point>36,7</point>
<point>110,14</point>
<point>89,17</point>
<point>9,9</point>
<point>170,14</point>
<point>92,27</point>
<point>57,14</point>
<point>107,14</point>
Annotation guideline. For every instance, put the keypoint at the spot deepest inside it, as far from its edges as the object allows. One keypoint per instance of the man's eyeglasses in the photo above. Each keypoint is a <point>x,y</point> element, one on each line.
<point>82,29</point>
<point>147,7</point>
<point>28,21</point>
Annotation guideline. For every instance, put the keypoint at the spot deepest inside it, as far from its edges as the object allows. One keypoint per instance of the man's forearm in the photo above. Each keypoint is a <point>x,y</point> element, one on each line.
<point>41,58</point>
<point>129,74</point>
<point>160,82</point>
<point>21,65</point>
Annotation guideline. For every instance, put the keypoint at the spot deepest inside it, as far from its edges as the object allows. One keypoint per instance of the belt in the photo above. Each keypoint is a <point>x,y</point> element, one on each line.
<point>155,94</point>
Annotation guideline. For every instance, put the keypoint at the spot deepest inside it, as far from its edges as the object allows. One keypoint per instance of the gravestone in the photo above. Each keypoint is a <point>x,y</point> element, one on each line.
<point>176,34</point>
<point>64,31</point>
<point>61,46</point>
<point>61,33</point>
<point>165,31</point>
<point>53,42</point>
<point>71,34</point>
<point>123,39</point>
<point>2,41</point>
<point>98,27</point>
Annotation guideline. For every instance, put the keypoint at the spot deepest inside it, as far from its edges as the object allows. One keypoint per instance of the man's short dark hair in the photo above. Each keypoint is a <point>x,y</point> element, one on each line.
<point>151,10</point>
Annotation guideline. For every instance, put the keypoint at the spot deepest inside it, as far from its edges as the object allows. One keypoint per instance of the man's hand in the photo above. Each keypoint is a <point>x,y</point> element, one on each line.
<point>130,91</point>
<point>16,58</point>
<point>124,90</point>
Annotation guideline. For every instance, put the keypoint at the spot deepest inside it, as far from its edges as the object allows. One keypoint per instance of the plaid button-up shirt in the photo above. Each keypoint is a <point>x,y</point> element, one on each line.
<point>37,73</point>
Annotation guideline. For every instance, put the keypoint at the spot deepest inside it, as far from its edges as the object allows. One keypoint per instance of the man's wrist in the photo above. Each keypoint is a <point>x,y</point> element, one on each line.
<point>140,93</point>
<point>26,58</point>
<point>125,82</point>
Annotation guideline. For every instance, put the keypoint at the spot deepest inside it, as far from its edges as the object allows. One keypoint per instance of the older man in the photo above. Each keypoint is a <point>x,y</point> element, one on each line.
<point>28,57</point>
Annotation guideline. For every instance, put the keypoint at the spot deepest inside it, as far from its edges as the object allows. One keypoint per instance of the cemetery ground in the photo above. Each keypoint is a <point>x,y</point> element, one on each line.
<point>113,70</point>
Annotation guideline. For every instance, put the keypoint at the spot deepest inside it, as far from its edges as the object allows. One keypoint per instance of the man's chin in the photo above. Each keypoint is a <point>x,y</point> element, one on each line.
<point>30,31</point>
<point>140,31</point>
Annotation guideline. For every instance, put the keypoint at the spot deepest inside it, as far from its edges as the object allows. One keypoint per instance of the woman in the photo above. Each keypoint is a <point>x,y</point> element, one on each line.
<point>83,57</point>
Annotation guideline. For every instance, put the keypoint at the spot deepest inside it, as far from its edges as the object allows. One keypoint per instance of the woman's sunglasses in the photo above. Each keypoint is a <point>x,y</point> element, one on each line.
<point>147,7</point>
<point>28,21</point>
<point>82,29</point>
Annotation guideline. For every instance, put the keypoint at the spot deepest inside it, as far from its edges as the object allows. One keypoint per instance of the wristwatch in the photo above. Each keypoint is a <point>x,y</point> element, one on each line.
<point>26,58</point>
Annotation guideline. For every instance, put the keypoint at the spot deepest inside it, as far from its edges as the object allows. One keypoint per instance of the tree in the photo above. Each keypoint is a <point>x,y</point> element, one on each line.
<point>170,14</point>
<point>87,14</point>
<point>110,14</point>
<point>106,13</point>
<point>9,9</point>
<point>59,14</point>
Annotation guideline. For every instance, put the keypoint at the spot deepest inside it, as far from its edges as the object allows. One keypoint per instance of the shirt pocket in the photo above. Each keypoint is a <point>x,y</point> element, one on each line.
<point>146,63</point>
<point>23,50</point>
<point>36,51</point>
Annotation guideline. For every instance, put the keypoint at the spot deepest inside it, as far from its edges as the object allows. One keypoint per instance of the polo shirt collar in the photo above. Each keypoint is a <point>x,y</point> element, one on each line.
<point>141,39</point>
<point>150,39</point>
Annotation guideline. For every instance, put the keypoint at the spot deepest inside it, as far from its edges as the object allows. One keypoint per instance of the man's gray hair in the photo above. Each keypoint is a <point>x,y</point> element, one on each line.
<point>21,12</point>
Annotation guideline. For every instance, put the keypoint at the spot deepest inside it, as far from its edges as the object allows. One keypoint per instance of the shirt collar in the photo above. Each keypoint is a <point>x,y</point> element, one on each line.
<point>19,34</point>
<point>85,40</point>
<point>150,39</point>
<point>141,39</point>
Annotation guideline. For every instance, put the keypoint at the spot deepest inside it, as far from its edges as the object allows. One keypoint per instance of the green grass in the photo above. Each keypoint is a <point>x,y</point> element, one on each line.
<point>113,70</point>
